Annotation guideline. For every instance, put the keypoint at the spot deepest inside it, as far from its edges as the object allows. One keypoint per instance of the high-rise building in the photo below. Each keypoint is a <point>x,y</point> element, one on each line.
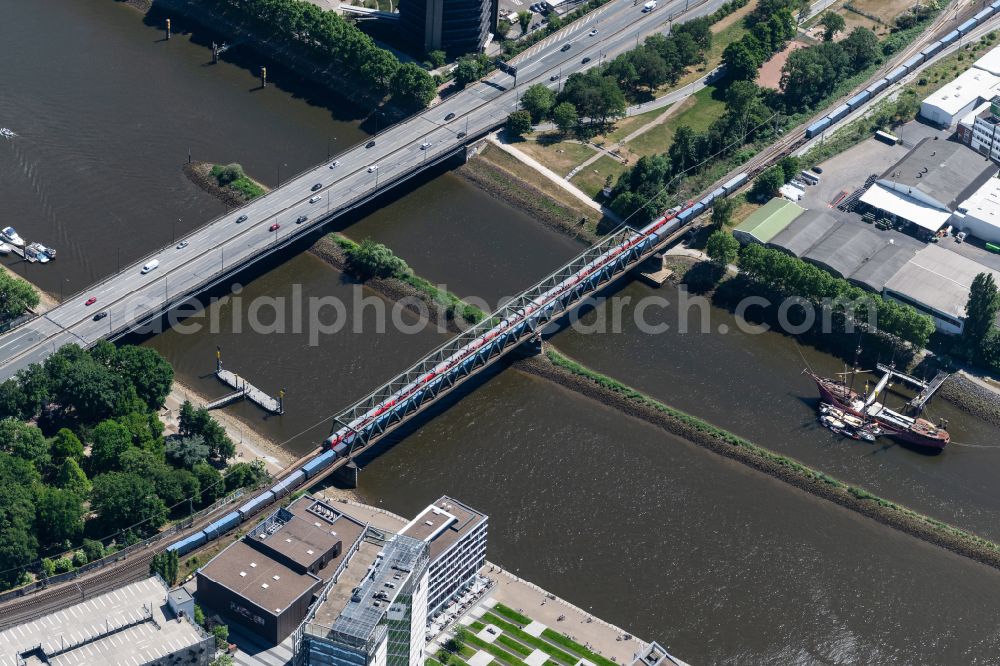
<point>456,27</point>
<point>456,535</point>
<point>374,612</point>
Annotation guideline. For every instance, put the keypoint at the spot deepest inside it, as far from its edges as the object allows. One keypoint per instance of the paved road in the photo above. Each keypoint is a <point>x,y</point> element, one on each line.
<point>130,297</point>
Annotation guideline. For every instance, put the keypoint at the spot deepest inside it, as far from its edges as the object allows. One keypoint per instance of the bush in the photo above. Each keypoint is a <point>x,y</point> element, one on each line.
<point>370,259</point>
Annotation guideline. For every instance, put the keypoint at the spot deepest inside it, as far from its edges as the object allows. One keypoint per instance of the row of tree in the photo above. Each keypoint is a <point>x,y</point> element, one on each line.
<point>788,276</point>
<point>83,458</point>
<point>328,37</point>
<point>771,26</point>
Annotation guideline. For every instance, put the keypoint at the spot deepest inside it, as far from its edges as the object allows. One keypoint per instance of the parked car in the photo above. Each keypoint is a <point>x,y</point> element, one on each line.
<point>449,117</point>
<point>317,186</point>
<point>241,218</point>
<point>91,300</point>
<point>100,315</point>
<point>274,227</point>
<point>960,236</point>
<point>301,218</point>
<point>818,169</point>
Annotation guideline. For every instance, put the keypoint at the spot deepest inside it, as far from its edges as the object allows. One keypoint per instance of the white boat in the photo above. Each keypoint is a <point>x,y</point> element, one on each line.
<point>11,236</point>
<point>35,252</point>
<point>50,252</point>
<point>9,133</point>
<point>4,248</point>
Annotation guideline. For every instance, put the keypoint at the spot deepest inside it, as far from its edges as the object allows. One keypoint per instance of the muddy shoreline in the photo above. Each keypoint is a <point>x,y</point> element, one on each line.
<point>390,288</point>
<point>782,468</point>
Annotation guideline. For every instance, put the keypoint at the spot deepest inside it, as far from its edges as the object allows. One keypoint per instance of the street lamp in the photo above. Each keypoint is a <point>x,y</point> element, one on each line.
<point>279,172</point>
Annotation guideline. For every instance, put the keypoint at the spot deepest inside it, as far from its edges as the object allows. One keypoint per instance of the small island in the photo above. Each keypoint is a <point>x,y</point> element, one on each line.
<point>226,182</point>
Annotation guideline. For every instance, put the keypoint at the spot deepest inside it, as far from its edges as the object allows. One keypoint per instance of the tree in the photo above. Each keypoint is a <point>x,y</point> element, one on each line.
<point>437,58</point>
<point>722,211</point>
<point>126,501</point>
<point>722,247</point>
<point>245,475</point>
<point>980,314</point>
<point>60,516</point>
<point>111,441</point>
<point>221,633</point>
<point>832,24</point>
<point>18,549</point>
<point>524,20</point>
<point>228,174</point>
<point>72,478</point>
<point>503,29</point>
<point>565,117</point>
<point>16,297</point>
<point>365,260</point>
<point>187,451</point>
<point>210,481</point>
<point>66,445</point>
<point>767,184</point>
<point>740,62</point>
<point>518,123</point>
<point>538,101</point>
<point>24,441</point>
<point>150,373</point>
<point>412,86</point>
<point>469,69</point>
<point>862,48</point>
<point>790,166</point>
<point>166,565</point>
<point>380,67</point>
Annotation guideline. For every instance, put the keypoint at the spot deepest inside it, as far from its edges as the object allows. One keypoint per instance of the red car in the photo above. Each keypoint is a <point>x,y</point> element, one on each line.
<point>274,227</point>
<point>91,300</point>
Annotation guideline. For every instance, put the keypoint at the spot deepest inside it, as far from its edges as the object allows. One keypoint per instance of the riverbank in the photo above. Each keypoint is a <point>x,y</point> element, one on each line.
<point>972,395</point>
<point>250,444</point>
<point>502,176</point>
<point>46,301</point>
<point>200,173</point>
<point>570,374</point>
<point>411,292</point>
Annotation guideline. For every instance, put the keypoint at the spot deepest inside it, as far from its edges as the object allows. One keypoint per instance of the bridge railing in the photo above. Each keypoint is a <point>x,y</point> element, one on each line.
<point>505,339</point>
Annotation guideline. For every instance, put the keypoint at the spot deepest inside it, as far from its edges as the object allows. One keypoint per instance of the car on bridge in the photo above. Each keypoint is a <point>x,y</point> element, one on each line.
<point>425,145</point>
<point>315,199</point>
<point>566,47</point>
<point>373,168</point>
<point>241,218</point>
<point>449,116</point>
<point>301,218</point>
<point>460,135</point>
<point>554,77</point>
<point>585,61</point>
<point>274,227</point>
<point>336,163</point>
<point>100,315</point>
<point>592,32</point>
<point>91,300</point>
<point>150,266</point>
<point>182,245</point>
<point>370,144</point>
<point>317,186</point>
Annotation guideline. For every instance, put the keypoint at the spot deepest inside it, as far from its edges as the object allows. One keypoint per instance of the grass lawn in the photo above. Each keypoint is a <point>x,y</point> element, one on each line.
<point>626,126</point>
<point>698,112</point>
<point>560,156</point>
<point>743,210</point>
<point>591,180</point>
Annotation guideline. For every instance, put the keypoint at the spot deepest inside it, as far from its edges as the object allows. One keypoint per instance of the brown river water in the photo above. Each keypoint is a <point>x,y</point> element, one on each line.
<point>723,564</point>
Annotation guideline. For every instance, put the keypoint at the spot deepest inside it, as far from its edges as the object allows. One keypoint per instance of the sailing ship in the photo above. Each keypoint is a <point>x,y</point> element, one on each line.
<point>911,430</point>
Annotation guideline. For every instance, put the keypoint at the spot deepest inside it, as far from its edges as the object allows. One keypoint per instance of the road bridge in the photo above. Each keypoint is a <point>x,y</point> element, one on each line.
<point>217,251</point>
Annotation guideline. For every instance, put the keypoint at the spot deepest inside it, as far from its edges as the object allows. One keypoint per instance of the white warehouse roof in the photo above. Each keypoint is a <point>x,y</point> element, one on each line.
<point>957,97</point>
<point>990,62</point>
<point>906,207</point>
<point>979,215</point>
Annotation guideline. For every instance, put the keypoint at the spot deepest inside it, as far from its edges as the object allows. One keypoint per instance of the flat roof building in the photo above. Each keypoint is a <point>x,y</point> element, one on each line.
<point>381,621</point>
<point>456,535</point>
<point>990,62</point>
<point>768,221</point>
<point>267,580</point>
<point>134,625</point>
<point>979,215</point>
<point>937,282</point>
<point>928,183</point>
<point>956,98</point>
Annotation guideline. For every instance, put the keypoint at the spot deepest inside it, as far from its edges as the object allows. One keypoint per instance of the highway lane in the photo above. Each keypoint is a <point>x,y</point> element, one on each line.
<point>131,296</point>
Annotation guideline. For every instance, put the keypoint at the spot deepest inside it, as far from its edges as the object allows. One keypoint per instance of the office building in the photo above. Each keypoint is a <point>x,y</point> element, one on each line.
<point>456,27</point>
<point>456,535</point>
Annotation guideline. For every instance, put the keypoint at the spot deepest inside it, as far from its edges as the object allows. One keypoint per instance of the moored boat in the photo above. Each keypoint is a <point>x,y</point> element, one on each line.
<point>10,235</point>
<point>908,429</point>
<point>4,248</point>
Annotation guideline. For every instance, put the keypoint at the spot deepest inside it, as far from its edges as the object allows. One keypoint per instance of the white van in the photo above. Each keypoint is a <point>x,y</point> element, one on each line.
<point>150,266</point>
<point>649,6</point>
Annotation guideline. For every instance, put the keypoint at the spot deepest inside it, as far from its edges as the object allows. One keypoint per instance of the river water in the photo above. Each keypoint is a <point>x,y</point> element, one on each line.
<point>719,562</point>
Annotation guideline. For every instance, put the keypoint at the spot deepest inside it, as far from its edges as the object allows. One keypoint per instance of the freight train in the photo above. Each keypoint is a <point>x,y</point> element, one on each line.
<point>516,325</point>
<point>895,75</point>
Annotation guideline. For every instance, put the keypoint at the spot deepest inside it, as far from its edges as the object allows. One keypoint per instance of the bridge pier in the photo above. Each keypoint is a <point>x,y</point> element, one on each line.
<point>263,77</point>
<point>168,29</point>
<point>347,475</point>
<point>533,346</point>
<point>215,53</point>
